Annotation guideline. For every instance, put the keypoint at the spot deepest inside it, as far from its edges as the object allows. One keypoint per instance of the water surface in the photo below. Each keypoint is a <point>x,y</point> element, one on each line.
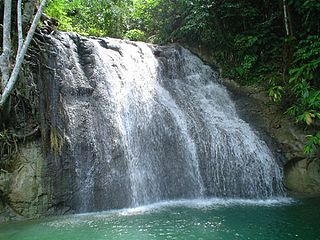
<point>190,219</point>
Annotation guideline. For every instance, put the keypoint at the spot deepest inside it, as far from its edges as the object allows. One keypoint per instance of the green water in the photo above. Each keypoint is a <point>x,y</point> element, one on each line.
<point>210,219</point>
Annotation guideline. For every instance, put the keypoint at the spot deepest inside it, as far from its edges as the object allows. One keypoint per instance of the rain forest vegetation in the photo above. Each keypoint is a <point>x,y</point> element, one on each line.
<point>274,44</point>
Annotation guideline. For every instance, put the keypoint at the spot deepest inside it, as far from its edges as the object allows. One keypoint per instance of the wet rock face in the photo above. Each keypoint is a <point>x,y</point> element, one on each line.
<point>22,191</point>
<point>268,120</point>
<point>300,175</point>
<point>145,123</point>
<point>266,117</point>
<point>281,134</point>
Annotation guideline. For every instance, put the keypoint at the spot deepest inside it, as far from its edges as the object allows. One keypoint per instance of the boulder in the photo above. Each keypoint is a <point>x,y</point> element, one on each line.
<point>303,176</point>
<point>22,192</point>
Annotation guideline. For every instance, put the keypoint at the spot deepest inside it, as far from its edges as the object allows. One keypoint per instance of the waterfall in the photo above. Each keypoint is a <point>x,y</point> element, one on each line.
<point>146,123</point>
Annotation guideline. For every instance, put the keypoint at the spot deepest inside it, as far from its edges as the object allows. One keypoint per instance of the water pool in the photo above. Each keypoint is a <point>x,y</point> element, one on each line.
<point>186,219</point>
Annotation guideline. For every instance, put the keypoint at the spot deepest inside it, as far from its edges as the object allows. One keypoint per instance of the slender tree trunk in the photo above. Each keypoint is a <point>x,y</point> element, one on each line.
<point>20,55</point>
<point>20,30</point>
<point>287,19</point>
<point>288,51</point>
<point>6,45</point>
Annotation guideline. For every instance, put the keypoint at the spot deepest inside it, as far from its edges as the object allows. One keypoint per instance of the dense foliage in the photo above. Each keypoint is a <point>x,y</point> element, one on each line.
<point>94,17</point>
<point>275,44</point>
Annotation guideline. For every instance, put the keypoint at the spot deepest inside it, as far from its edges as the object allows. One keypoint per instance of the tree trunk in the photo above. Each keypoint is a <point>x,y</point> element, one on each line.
<point>288,51</point>
<point>20,56</point>
<point>287,19</point>
<point>6,46</point>
<point>20,30</point>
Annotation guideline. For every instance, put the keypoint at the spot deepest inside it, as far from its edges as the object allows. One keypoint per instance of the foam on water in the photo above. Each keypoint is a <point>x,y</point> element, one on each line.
<point>206,203</point>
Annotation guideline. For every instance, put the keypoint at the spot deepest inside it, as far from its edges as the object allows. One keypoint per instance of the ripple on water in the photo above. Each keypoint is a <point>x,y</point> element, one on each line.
<point>225,219</point>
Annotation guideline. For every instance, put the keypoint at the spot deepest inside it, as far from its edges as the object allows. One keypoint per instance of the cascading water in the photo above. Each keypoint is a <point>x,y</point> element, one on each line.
<point>146,123</point>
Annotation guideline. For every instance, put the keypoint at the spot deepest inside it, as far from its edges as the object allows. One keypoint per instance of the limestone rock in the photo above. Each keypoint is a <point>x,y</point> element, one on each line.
<point>22,191</point>
<point>303,176</point>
